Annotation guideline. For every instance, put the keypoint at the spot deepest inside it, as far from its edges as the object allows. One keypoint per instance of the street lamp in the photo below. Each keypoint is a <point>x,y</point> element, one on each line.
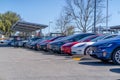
<point>94,29</point>
<point>49,25</point>
<point>107,15</point>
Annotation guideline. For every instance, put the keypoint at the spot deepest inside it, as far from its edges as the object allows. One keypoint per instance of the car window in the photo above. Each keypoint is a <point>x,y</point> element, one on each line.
<point>60,38</point>
<point>77,38</point>
<point>88,37</point>
<point>98,38</point>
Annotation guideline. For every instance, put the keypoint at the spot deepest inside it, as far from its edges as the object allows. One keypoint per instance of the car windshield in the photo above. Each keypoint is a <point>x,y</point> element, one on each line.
<point>87,38</point>
<point>52,38</point>
<point>67,37</point>
<point>60,38</point>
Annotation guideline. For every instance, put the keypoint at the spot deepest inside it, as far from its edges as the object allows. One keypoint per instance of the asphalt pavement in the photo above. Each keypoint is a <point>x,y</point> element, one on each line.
<point>26,64</point>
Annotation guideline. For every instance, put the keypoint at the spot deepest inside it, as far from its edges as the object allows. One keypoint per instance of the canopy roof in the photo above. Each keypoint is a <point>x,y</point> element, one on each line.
<point>27,26</point>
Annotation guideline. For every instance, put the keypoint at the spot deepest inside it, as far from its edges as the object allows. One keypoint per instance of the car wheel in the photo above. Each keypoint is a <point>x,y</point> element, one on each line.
<point>87,51</point>
<point>24,45</point>
<point>116,56</point>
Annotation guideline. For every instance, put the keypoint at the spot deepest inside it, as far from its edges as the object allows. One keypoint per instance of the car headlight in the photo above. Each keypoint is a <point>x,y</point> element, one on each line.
<point>81,45</point>
<point>106,45</point>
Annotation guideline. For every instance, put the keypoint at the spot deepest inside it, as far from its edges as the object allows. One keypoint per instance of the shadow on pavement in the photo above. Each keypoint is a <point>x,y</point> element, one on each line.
<point>115,70</point>
<point>51,53</point>
<point>46,53</point>
<point>97,63</point>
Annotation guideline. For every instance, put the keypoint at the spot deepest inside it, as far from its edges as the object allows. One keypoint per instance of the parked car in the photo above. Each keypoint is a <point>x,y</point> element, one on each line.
<point>4,42</point>
<point>43,45</point>
<point>33,45</point>
<point>84,47</point>
<point>66,48</point>
<point>107,50</point>
<point>56,46</point>
<point>46,39</point>
<point>27,45</point>
<point>50,44</point>
<point>22,43</point>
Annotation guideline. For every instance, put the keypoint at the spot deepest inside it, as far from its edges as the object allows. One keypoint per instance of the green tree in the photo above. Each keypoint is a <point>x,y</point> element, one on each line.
<point>7,19</point>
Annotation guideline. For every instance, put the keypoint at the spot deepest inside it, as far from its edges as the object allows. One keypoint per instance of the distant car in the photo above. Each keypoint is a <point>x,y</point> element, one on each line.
<point>107,50</point>
<point>66,48</point>
<point>22,43</point>
<point>46,39</point>
<point>4,42</point>
<point>56,46</point>
<point>43,45</point>
<point>30,41</point>
<point>84,47</point>
<point>33,45</point>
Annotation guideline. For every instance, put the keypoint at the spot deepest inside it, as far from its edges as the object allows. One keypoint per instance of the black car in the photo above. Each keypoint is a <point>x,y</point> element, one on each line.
<point>43,46</point>
<point>33,45</point>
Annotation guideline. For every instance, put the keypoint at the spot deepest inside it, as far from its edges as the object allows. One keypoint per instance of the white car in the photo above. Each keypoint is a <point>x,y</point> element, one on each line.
<point>84,47</point>
<point>81,48</point>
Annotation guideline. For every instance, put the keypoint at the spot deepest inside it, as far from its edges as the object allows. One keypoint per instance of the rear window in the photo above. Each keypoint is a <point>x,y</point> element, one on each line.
<point>88,37</point>
<point>79,37</point>
<point>98,38</point>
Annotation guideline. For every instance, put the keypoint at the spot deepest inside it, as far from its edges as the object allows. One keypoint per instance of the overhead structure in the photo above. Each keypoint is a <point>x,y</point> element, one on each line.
<point>115,27</point>
<point>23,26</point>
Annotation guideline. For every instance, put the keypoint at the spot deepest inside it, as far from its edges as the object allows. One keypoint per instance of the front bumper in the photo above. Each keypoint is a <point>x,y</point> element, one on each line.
<point>101,53</point>
<point>77,50</point>
<point>66,50</point>
<point>43,47</point>
<point>57,49</point>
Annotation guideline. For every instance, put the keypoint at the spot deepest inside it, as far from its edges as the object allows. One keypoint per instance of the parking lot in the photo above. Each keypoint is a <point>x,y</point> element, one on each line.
<point>26,64</point>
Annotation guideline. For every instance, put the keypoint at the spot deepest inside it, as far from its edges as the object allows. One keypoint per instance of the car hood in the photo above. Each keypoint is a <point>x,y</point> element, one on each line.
<point>82,43</point>
<point>70,43</point>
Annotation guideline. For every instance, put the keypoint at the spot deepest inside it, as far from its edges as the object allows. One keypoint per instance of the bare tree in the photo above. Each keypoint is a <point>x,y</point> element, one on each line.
<point>82,13</point>
<point>70,30</point>
<point>62,22</point>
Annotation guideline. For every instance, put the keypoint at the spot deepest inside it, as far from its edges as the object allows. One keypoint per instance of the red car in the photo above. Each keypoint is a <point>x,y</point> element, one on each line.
<point>66,48</point>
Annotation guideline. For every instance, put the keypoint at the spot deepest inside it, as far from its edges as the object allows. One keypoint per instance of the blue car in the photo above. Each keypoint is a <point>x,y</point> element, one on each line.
<point>107,50</point>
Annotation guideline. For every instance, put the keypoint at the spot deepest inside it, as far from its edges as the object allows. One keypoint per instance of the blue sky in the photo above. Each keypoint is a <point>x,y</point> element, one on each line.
<point>43,11</point>
<point>39,11</point>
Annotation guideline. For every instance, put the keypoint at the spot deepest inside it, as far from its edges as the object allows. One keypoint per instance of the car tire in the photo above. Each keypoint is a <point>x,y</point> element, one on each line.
<point>86,52</point>
<point>116,56</point>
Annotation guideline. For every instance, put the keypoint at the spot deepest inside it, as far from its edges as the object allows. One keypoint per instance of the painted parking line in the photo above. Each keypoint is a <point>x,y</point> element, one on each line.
<point>77,57</point>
